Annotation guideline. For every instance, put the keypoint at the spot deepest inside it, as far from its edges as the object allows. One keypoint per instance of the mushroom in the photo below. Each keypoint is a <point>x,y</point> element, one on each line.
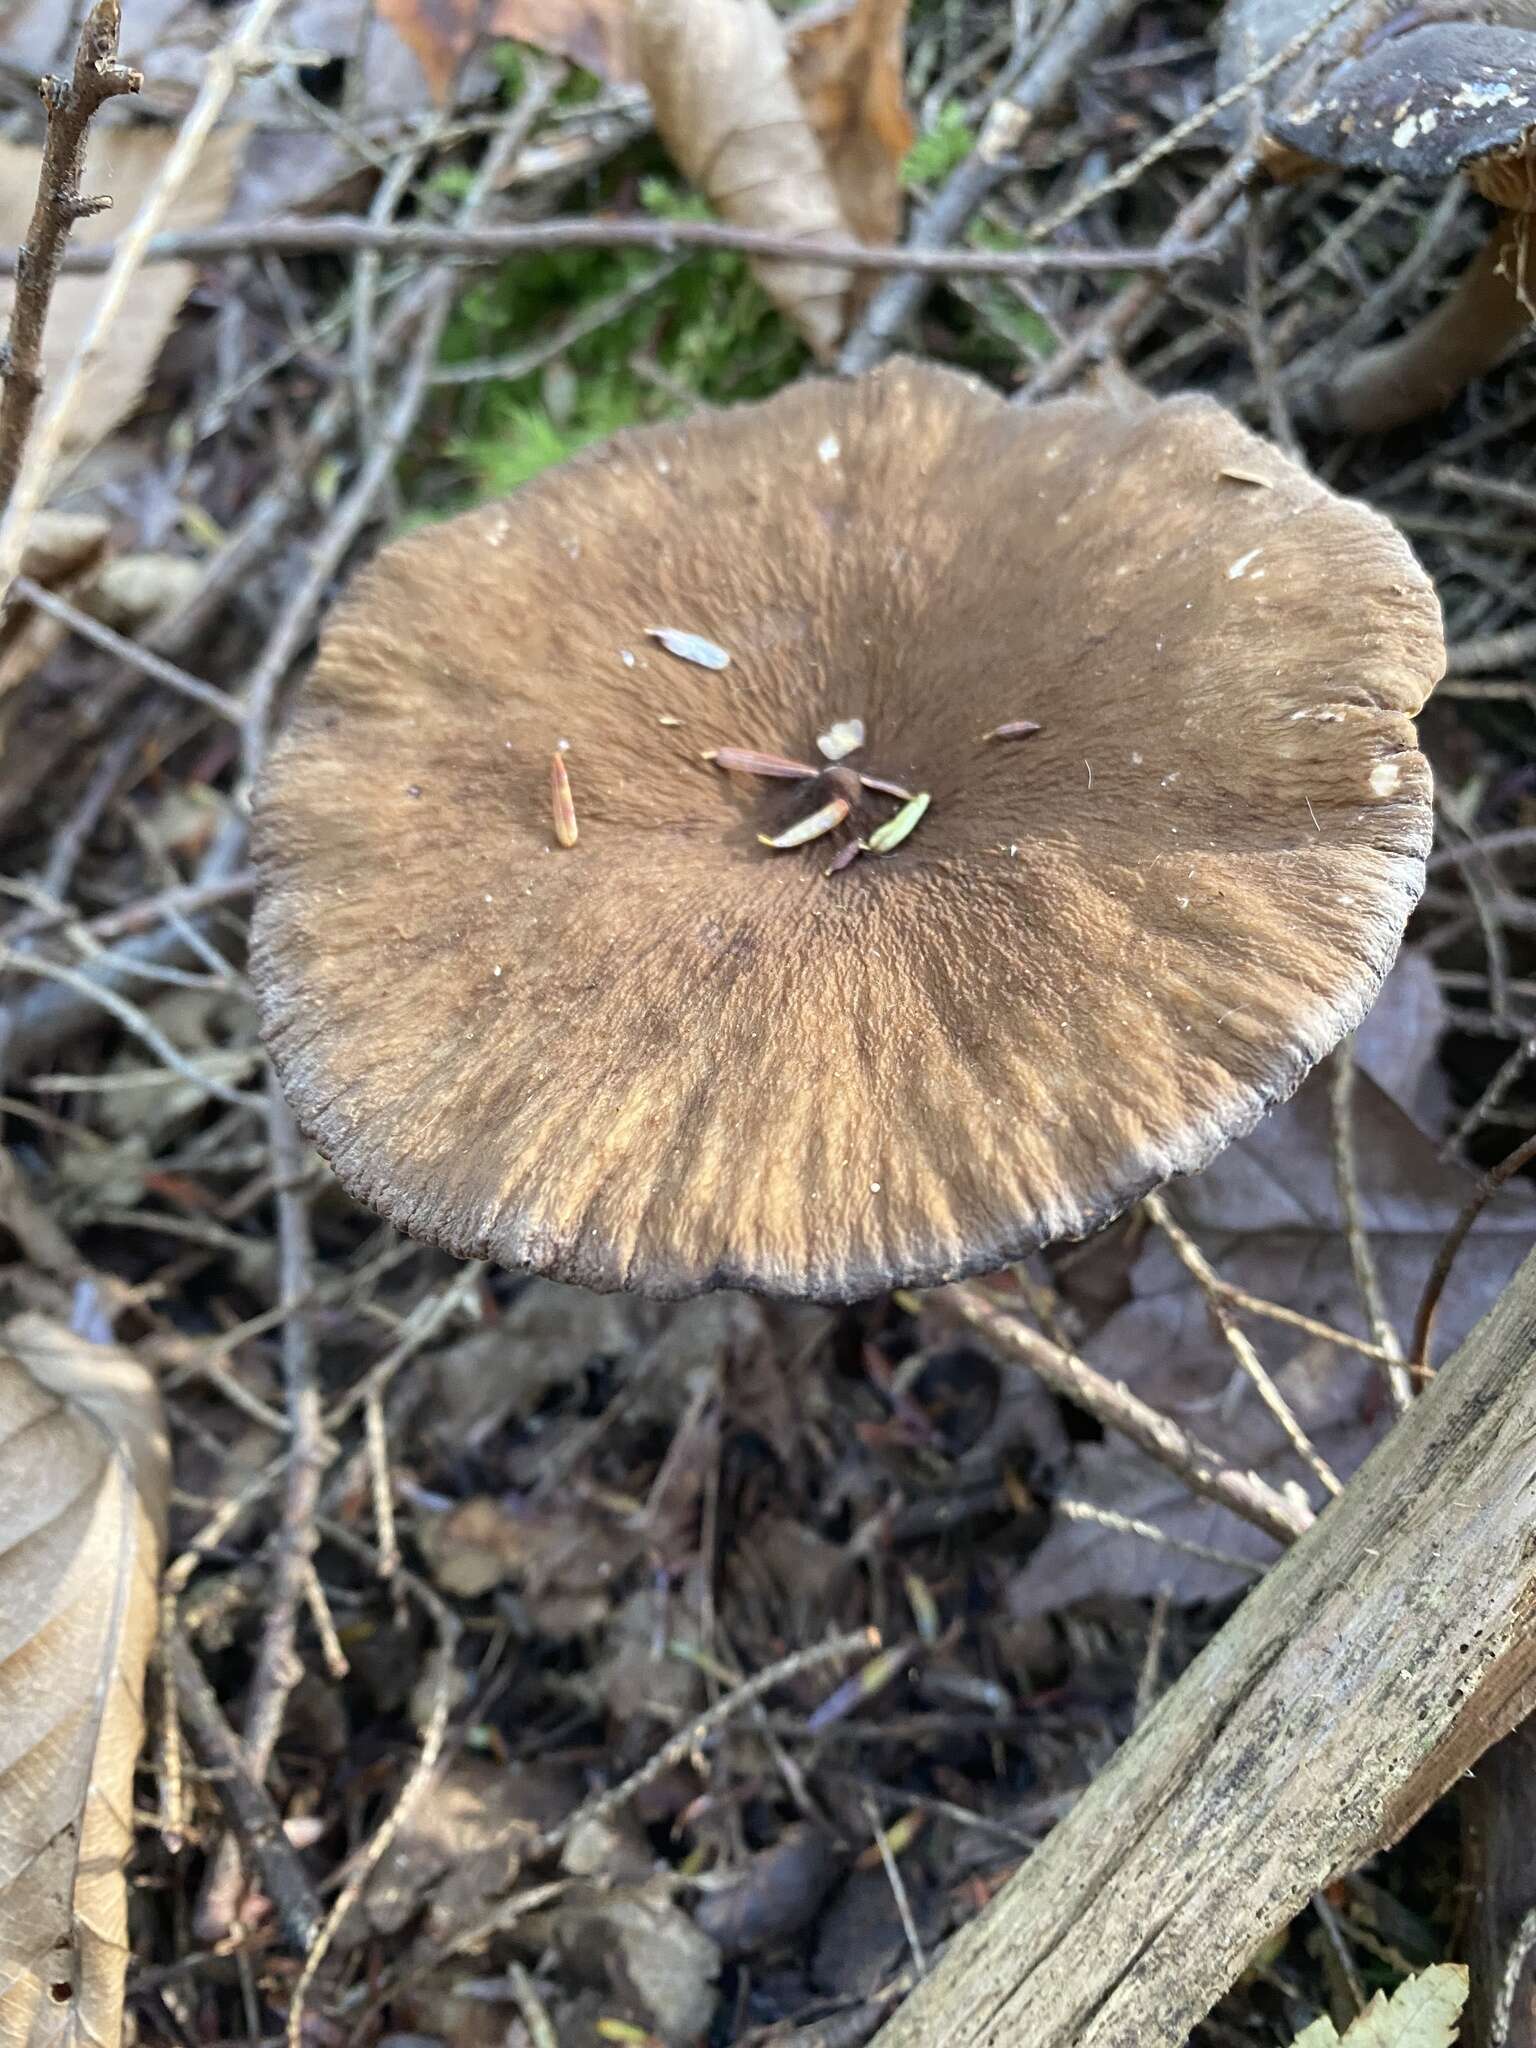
<point>671,1057</point>
<point>1426,99</point>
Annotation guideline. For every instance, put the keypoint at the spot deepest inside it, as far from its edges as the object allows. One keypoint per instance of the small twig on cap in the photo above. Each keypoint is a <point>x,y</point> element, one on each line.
<point>744,761</point>
<point>71,104</point>
<point>561,801</point>
<point>816,826</point>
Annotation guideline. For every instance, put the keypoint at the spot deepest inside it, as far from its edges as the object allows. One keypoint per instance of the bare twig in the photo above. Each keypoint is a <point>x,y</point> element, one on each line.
<point>1455,1238</point>
<point>253,1816</point>
<point>1199,1268</point>
<point>703,1731</point>
<point>1213,207</point>
<point>1010,1339</point>
<point>224,67</point>
<point>1132,1525</point>
<point>1168,145</point>
<point>347,234</point>
<point>1341,1099</point>
<point>433,1737</point>
<point>434,303</point>
<point>278,1669</point>
<point>71,104</point>
<point>898,1887</point>
<point>155,666</point>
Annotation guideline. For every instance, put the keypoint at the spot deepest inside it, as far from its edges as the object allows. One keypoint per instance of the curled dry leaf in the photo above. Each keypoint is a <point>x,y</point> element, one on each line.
<point>84,1481</point>
<point>726,108</point>
<point>440,33</point>
<point>121,163</point>
<point>846,61</point>
<point>1267,1215</point>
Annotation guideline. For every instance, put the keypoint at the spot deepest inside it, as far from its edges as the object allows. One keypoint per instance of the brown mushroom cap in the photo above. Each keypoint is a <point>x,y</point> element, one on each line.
<point>670,1058</point>
<point>1423,104</point>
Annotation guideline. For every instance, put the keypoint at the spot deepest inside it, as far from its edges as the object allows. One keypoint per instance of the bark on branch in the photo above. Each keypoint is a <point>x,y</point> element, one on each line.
<point>1382,1655</point>
<point>72,103</point>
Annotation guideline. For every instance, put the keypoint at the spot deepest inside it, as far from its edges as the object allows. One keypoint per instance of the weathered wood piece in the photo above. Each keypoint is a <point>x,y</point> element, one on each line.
<point>1378,1660</point>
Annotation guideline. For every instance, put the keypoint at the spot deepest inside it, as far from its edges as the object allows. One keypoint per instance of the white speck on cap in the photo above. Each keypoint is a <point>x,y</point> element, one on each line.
<point>1385,777</point>
<point>1242,565</point>
<point>828,448</point>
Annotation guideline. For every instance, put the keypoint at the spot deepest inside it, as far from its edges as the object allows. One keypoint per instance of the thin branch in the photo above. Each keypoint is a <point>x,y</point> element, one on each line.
<point>71,104</point>
<point>347,234</point>
<point>433,1737</point>
<point>702,1731</point>
<point>278,1668</point>
<point>225,65</point>
<point>1010,1339</point>
<point>1455,1237</point>
<point>1238,1343</point>
<point>433,306</point>
<point>1176,137</point>
<point>155,666</point>
<point>1207,215</point>
<point>1341,1099</point>
<point>252,1815</point>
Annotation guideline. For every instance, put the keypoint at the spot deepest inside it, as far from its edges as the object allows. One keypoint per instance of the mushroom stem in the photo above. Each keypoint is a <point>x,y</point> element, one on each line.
<point>1422,370</point>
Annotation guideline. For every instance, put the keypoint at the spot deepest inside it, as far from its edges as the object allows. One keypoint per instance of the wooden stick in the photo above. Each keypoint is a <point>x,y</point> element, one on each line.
<point>1380,1658</point>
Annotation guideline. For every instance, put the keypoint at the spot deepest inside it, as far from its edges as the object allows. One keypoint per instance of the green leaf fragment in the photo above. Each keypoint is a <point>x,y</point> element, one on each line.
<point>887,837</point>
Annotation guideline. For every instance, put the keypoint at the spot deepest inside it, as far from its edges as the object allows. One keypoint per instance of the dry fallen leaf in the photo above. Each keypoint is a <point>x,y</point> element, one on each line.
<point>84,1481</point>
<point>459,1849</point>
<point>123,163</point>
<point>593,33</point>
<point>726,108</point>
<point>846,60</point>
<point>564,1559</point>
<point>64,553</point>
<point>1266,1213</point>
<point>637,1944</point>
<point>1423,2012</point>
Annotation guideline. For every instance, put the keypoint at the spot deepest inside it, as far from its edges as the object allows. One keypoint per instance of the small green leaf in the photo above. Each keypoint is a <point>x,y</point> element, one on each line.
<point>887,837</point>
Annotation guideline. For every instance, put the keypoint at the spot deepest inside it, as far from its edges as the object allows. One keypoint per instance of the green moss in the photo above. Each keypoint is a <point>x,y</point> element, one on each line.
<point>940,149</point>
<point>706,334</point>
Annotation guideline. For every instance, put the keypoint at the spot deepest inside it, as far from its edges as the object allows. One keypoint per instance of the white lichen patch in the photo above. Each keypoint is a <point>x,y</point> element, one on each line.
<point>1493,95</point>
<point>1409,131</point>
